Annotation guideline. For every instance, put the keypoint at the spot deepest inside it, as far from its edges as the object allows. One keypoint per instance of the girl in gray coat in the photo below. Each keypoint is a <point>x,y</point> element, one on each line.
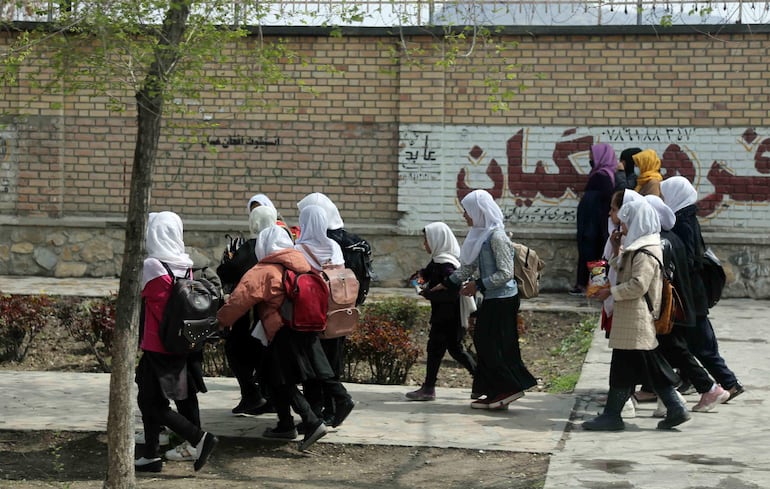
<point>635,355</point>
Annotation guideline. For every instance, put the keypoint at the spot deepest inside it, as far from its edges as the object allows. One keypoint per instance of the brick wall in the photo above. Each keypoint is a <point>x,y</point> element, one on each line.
<point>67,157</point>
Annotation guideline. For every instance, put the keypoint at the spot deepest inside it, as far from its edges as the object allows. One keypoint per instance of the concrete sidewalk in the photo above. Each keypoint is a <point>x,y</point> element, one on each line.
<point>724,448</point>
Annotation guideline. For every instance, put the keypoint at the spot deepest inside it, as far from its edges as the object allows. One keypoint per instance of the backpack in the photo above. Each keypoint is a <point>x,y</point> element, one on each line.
<point>190,316</point>
<point>713,276</point>
<point>358,257</point>
<point>307,301</point>
<point>342,316</point>
<point>526,270</point>
<point>671,306</point>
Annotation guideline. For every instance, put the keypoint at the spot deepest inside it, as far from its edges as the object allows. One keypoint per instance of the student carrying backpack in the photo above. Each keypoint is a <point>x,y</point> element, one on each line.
<point>356,251</point>
<point>161,374</point>
<point>190,315</point>
<point>358,257</point>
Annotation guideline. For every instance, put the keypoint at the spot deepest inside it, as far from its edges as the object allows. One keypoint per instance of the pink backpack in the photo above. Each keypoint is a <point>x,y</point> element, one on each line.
<point>342,316</point>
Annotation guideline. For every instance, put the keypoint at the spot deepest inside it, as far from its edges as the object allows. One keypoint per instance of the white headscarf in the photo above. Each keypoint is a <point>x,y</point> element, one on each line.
<point>271,239</point>
<point>665,214</point>
<point>313,243</point>
<point>678,193</point>
<point>444,247</point>
<point>486,216</point>
<point>629,196</point>
<point>321,200</point>
<point>165,243</point>
<point>262,199</point>
<point>641,220</point>
<point>260,218</point>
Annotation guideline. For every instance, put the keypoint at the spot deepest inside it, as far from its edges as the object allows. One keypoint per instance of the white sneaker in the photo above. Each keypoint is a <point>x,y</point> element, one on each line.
<point>163,439</point>
<point>181,453</point>
<point>661,411</point>
<point>629,409</point>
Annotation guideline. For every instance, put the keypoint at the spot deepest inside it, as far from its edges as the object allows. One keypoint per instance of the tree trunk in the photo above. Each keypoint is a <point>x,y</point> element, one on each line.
<point>120,419</point>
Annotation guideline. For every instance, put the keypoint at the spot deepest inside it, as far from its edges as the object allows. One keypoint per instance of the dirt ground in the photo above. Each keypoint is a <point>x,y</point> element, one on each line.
<point>78,460</point>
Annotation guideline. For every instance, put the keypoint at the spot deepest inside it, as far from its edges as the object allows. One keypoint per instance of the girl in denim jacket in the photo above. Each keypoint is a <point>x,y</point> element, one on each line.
<point>487,254</point>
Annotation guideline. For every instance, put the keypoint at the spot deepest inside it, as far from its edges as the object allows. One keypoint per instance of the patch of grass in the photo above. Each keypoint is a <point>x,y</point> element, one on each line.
<point>564,384</point>
<point>574,345</point>
<point>579,341</point>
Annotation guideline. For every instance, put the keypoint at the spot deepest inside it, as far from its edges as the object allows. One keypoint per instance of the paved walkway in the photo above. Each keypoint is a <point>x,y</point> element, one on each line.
<point>724,449</point>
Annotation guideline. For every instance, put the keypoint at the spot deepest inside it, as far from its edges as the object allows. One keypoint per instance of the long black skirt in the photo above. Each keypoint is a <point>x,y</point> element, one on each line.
<point>631,367</point>
<point>500,368</point>
<point>294,357</point>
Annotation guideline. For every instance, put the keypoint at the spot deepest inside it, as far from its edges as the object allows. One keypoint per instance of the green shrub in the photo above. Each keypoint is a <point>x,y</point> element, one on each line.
<point>214,359</point>
<point>404,311</point>
<point>383,343</point>
<point>92,321</point>
<point>22,317</point>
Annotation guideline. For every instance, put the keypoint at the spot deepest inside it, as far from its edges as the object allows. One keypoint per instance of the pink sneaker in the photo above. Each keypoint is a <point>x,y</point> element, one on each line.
<point>709,400</point>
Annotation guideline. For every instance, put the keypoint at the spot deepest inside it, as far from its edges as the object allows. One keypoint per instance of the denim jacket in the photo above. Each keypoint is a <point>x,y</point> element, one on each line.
<point>494,266</point>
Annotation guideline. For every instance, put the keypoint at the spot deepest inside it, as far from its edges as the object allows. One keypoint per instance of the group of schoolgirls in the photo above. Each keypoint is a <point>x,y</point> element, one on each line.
<point>649,228</point>
<point>268,359</point>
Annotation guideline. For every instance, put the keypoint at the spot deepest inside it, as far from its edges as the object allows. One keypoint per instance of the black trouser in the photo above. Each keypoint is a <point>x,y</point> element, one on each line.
<point>446,338</point>
<point>673,347</point>
<point>156,412</point>
<point>317,390</point>
<point>704,345</point>
<point>244,355</point>
<point>334,349</point>
<point>288,396</point>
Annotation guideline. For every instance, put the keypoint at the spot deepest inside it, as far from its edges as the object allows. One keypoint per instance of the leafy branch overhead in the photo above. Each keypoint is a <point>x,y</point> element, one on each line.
<point>174,49</point>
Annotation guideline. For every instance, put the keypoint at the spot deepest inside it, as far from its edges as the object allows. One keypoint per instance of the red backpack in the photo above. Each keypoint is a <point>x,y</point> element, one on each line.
<point>307,301</point>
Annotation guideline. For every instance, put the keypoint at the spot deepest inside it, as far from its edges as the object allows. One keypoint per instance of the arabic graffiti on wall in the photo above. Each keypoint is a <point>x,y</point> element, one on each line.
<point>227,141</point>
<point>536,174</point>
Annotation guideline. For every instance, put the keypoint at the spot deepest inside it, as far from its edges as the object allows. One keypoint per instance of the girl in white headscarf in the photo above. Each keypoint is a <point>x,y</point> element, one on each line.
<point>262,200</point>
<point>321,252</point>
<point>487,253</point>
<point>673,346</point>
<point>244,352</point>
<point>635,357</point>
<point>619,198</point>
<point>682,197</point>
<point>257,200</point>
<point>446,321</point>
<point>160,375</point>
<point>356,254</point>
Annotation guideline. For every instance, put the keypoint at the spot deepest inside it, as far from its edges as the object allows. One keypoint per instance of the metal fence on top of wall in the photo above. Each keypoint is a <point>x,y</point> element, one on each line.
<point>387,13</point>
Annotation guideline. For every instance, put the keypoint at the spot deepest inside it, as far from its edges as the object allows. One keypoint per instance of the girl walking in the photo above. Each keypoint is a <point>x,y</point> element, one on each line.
<point>160,375</point>
<point>447,324</point>
<point>487,253</point>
